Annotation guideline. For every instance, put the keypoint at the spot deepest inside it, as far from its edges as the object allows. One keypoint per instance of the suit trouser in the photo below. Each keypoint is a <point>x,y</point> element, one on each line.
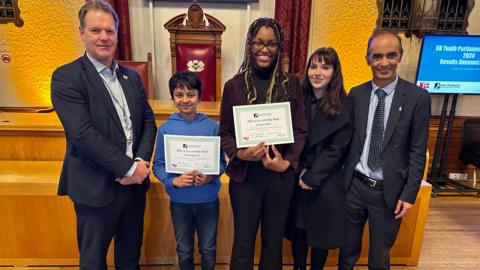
<point>264,198</point>
<point>365,203</point>
<point>122,220</point>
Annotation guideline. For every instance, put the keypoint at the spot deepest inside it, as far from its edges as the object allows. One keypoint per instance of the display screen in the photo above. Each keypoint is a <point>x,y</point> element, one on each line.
<point>449,64</point>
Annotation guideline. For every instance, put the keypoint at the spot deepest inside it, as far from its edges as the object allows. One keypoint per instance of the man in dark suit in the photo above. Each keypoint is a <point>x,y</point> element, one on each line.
<point>386,159</point>
<point>110,132</point>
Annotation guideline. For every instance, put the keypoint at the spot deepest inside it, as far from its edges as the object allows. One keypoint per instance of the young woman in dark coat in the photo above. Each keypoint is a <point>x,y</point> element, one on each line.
<point>318,215</point>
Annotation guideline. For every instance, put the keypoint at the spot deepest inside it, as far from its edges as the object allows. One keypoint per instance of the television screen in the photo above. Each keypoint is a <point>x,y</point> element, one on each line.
<point>449,64</point>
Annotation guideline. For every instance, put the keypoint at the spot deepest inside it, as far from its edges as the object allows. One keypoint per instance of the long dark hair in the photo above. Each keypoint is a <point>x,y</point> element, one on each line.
<point>279,89</point>
<point>335,91</point>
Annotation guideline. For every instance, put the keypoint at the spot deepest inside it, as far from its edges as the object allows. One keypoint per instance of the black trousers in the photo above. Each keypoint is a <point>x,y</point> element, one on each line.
<point>365,203</point>
<point>264,198</point>
<point>122,220</point>
<point>318,256</point>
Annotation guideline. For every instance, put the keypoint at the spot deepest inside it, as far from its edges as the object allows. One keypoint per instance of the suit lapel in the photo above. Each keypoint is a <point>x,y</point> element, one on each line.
<point>362,111</point>
<point>102,91</point>
<point>308,110</point>
<point>399,98</point>
<point>323,126</point>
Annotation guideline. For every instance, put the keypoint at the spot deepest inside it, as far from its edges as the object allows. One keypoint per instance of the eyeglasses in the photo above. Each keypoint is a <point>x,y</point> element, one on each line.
<point>258,45</point>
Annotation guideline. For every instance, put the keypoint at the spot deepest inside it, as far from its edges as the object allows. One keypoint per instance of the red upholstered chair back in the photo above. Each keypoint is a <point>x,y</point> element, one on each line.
<point>144,69</point>
<point>196,46</point>
<point>199,58</point>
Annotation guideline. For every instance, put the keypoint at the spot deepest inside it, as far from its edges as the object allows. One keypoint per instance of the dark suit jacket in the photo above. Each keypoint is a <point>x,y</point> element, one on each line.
<point>404,142</point>
<point>234,95</point>
<point>96,143</point>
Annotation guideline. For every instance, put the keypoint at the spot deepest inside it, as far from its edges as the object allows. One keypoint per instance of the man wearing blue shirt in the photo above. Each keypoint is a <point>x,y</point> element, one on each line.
<point>110,132</point>
<point>386,159</point>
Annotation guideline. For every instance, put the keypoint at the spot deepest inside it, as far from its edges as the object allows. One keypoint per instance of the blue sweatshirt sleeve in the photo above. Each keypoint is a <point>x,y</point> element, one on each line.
<point>159,169</point>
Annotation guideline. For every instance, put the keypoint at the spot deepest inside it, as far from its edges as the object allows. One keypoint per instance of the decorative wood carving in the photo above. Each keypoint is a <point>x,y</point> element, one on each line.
<point>196,27</point>
<point>424,16</point>
<point>10,13</point>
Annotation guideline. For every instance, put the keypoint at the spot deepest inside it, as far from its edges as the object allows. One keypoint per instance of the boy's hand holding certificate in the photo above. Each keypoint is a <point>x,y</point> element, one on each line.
<point>188,153</point>
<point>269,123</point>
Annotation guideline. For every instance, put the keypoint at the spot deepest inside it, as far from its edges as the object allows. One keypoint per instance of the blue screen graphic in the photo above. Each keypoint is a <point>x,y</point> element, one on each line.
<point>450,64</point>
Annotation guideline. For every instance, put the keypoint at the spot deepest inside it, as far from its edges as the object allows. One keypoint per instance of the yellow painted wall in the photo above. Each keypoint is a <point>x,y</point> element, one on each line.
<point>48,39</point>
<point>345,26</point>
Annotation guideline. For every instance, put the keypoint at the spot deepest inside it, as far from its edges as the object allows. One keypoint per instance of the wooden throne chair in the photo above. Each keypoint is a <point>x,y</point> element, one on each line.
<point>144,69</point>
<point>195,45</point>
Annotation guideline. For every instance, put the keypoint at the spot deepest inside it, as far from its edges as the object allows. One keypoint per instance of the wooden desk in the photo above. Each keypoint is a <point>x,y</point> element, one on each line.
<point>38,227</point>
<point>40,136</point>
<point>31,136</point>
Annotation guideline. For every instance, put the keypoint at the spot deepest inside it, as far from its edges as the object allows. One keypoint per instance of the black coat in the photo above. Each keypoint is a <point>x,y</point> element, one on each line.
<point>323,157</point>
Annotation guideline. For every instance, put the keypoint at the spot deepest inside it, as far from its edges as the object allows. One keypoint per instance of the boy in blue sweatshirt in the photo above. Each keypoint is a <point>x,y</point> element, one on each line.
<point>193,195</point>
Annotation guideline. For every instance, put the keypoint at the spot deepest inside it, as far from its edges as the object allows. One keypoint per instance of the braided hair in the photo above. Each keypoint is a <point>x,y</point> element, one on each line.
<point>279,89</point>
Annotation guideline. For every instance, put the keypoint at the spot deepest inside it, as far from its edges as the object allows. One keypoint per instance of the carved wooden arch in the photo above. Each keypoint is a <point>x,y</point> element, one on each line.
<point>424,16</point>
<point>10,13</point>
<point>196,31</point>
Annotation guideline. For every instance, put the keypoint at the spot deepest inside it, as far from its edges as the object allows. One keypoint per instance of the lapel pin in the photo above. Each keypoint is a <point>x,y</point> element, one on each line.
<point>399,109</point>
<point>125,77</point>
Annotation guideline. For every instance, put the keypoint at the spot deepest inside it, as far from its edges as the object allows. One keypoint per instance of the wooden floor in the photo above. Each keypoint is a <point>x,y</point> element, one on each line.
<point>451,241</point>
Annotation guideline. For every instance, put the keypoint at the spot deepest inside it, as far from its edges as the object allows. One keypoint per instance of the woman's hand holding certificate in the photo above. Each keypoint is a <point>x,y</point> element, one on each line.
<point>277,164</point>
<point>254,153</point>
<point>260,152</point>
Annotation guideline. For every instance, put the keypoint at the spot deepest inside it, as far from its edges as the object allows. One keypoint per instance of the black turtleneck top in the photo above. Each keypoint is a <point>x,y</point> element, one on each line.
<point>261,80</point>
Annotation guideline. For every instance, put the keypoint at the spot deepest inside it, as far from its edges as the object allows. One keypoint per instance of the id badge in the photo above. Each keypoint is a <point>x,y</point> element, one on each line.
<point>129,135</point>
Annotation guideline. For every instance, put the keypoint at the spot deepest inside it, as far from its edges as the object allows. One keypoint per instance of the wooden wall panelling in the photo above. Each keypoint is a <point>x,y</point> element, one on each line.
<point>40,136</point>
<point>38,227</point>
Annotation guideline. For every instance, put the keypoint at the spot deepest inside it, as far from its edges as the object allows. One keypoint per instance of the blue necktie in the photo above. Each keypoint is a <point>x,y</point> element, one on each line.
<point>376,137</point>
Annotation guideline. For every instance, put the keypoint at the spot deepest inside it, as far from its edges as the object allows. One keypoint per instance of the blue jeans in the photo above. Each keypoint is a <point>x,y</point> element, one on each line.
<point>199,217</point>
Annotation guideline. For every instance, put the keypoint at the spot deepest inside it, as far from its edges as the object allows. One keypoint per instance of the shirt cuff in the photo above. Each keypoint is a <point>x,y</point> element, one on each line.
<point>132,170</point>
<point>141,159</point>
<point>302,173</point>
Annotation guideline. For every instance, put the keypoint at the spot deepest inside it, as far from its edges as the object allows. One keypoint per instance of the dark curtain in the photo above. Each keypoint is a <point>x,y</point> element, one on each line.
<point>124,49</point>
<point>294,16</point>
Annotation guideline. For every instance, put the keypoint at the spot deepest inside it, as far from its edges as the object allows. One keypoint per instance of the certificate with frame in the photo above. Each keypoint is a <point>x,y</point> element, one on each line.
<point>187,153</point>
<point>269,123</point>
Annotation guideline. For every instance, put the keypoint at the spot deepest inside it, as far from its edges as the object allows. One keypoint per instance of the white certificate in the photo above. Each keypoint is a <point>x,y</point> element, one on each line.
<point>270,123</point>
<point>186,153</point>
